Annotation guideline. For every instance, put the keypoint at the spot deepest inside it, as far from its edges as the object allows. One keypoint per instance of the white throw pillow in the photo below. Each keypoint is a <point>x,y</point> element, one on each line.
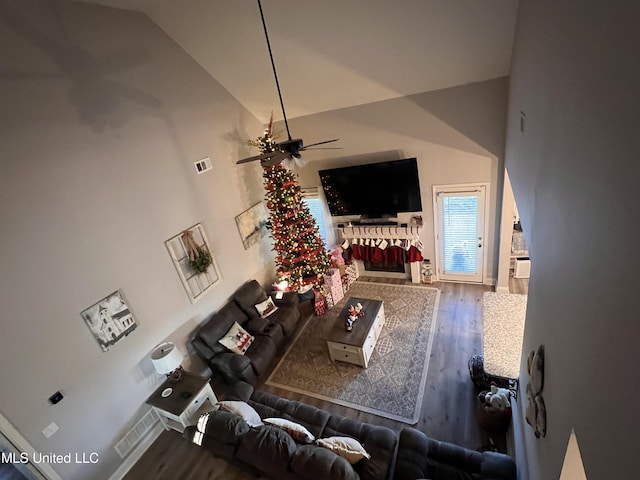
<point>243,409</point>
<point>266,308</point>
<point>297,431</point>
<point>237,339</point>
<point>346,447</point>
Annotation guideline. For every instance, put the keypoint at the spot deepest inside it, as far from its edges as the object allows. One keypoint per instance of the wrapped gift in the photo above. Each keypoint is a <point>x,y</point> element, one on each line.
<point>320,304</point>
<point>332,277</point>
<point>351,272</point>
<point>344,279</point>
<point>328,300</point>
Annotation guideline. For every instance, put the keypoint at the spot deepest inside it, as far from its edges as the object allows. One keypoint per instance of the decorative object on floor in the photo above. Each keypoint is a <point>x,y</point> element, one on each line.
<point>290,149</point>
<point>109,320</point>
<point>536,412</point>
<point>301,259</point>
<point>194,262</point>
<point>167,360</point>
<point>427,272</point>
<point>393,384</point>
<point>252,225</point>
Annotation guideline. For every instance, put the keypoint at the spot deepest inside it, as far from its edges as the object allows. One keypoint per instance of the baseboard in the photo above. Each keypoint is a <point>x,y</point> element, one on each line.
<point>137,452</point>
<point>502,289</point>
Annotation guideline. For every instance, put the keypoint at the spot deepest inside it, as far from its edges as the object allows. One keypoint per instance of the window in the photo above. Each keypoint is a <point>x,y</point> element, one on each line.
<point>317,207</point>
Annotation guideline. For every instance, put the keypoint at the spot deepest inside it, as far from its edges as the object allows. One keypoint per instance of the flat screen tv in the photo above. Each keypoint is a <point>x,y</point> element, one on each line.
<point>374,190</point>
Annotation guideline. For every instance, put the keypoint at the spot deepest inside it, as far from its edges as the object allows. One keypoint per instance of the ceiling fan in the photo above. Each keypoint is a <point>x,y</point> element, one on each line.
<point>289,149</point>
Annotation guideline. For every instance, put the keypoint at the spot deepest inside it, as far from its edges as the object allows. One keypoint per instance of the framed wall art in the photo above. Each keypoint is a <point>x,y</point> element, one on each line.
<point>194,261</point>
<point>252,224</point>
<point>110,320</point>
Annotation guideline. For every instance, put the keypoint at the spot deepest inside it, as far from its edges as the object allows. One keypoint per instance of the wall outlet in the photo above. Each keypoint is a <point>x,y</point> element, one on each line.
<point>50,430</point>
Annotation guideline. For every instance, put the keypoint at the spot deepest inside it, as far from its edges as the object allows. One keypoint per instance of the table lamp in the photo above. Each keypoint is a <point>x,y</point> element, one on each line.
<point>166,359</point>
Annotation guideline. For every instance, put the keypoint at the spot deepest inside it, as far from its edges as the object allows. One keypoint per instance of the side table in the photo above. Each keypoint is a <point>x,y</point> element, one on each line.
<point>189,398</point>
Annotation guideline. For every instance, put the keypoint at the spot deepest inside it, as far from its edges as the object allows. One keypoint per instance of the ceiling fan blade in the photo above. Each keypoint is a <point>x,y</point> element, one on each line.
<point>275,159</point>
<point>262,156</point>
<point>319,143</point>
<point>321,148</point>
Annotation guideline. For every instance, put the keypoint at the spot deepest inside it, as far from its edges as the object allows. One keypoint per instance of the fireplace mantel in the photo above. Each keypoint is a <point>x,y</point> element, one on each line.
<point>381,231</point>
<point>360,233</point>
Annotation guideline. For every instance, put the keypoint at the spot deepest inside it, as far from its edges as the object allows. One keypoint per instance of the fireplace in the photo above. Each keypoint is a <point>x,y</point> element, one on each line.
<point>402,262</point>
<point>383,267</point>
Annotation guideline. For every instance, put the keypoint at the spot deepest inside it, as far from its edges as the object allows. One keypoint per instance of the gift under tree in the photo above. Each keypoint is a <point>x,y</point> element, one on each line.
<point>301,259</point>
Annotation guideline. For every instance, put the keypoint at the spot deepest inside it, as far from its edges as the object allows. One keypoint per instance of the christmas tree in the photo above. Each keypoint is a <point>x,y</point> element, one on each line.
<point>301,259</point>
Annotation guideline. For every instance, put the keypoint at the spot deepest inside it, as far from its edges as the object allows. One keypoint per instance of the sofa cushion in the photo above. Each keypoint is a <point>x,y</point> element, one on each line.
<point>237,339</point>
<point>248,295</point>
<point>266,308</point>
<point>267,448</point>
<point>268,405</point>
<point>261,353</point>
<point>218,324</point>
<point>287,318</point>
<point>345,447</point>
<point>226,427</point>
<point>243,409</point>
<point>311,463</point>
<point>422,457</point>
<point>297,431</point>
<point>380,442</point>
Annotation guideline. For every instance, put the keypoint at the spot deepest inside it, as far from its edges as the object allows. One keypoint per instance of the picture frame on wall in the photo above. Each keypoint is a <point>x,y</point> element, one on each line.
<point>109,320</point>
<point>197,278</point>
<point>252,224</point>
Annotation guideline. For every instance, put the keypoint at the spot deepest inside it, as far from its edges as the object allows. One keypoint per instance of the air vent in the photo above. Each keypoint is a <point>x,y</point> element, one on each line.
<point>203,165</point>
<point>137,433</point>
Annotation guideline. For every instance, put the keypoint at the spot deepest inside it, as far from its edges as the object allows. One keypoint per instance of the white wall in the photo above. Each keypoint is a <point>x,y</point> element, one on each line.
<point>92,182</point>
<point>457,134</point>
<point>575,175</point>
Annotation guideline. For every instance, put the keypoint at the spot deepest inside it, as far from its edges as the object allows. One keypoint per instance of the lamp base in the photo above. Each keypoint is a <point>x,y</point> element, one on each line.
<point>176,375</point>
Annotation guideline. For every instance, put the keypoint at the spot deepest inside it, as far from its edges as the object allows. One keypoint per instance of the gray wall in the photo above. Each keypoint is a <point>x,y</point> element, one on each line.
<point>102,118</point>
<point>457,134</point>
<point>575,176</point>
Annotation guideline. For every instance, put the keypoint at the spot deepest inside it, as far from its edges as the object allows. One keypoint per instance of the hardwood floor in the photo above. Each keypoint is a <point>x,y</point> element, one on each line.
<point>448,409</point>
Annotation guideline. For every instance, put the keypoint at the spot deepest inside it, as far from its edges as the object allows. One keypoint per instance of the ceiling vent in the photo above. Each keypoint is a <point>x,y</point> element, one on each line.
<point>203,165</point>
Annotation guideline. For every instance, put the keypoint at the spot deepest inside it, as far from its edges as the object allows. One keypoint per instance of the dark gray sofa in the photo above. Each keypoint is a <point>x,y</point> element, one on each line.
<point>272,453</point>
<point>270,334</point>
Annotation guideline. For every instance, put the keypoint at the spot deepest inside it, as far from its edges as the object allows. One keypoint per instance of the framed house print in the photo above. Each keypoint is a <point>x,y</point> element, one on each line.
<point>110,320</point>
<point>194,262</point>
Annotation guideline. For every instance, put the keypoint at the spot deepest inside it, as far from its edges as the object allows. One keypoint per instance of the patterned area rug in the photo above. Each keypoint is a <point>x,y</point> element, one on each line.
<point>393,384</point>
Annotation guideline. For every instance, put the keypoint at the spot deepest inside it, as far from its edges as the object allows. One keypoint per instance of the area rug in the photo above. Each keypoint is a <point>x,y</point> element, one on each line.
<point>503,318</point>
<point>393,384</point>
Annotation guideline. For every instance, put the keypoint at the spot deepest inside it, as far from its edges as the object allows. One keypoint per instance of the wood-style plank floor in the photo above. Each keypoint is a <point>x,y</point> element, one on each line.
<point>448,409</point>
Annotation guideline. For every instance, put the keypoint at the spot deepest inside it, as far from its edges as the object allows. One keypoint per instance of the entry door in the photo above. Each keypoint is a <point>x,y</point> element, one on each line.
<point>460,232</point>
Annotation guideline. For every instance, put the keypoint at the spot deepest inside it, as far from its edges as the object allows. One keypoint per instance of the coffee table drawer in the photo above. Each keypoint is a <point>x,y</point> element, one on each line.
<point>346,353</point>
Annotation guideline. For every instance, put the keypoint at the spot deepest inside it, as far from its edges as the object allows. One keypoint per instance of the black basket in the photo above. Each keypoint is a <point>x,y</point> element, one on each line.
<point>480,378</point>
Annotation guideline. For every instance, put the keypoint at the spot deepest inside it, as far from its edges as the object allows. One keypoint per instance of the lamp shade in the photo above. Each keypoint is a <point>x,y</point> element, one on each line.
<point>166,357</point>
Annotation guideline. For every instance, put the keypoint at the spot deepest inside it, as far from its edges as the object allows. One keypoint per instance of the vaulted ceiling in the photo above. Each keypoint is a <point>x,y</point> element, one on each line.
<point>332,54</point>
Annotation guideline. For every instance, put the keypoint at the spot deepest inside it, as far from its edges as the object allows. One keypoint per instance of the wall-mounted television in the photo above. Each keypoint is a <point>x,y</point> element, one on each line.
<point>374,190</point>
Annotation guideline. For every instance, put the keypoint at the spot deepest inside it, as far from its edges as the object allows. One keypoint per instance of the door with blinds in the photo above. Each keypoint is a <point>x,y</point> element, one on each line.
<point>460,232</point>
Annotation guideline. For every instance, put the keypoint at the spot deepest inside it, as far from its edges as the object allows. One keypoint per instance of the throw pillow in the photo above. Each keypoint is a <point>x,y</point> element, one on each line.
<point>243,409</point>
<point>266,308</point>
<point>346,447</point>
<point>237,339</point>
<point>297,431</point>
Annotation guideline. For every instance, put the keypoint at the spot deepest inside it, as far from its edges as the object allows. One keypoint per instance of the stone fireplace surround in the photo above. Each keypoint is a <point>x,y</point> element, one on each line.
<point>359,234</point>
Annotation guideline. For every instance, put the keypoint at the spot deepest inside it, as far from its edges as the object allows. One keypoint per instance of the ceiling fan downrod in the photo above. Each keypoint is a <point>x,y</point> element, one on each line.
<point>273,66</point>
